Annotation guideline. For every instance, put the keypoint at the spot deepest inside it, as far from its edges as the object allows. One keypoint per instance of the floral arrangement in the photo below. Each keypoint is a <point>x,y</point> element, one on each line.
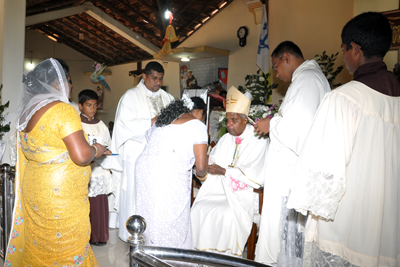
<point>326,63</point>
<point>259,87</point>
<point>256,113</point>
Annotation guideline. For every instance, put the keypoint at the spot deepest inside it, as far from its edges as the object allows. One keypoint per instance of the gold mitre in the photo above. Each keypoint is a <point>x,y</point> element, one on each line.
<point>237,102</point>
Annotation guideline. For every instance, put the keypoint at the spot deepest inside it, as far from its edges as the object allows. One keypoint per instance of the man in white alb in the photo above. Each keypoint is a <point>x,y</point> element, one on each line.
<point>288,131</point>
<point>347,175</point>
<point>222,214</point>
<point>137,111</point>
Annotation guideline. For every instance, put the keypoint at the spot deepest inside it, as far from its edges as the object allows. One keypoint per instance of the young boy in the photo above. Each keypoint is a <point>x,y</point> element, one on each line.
<point>100,180</point>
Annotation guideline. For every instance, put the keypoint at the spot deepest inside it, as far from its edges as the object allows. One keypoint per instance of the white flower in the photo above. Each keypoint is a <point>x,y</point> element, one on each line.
<point>329,76</point>
<point>264,115</point>
<point>262,79</point>
<point>261,98</point>
<point>252,85</point>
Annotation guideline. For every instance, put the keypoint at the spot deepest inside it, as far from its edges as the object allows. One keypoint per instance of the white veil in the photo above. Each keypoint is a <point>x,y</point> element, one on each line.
<point>46,83</point>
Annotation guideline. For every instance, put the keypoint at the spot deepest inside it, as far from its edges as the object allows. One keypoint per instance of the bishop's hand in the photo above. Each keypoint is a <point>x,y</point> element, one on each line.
<point>216,170</point>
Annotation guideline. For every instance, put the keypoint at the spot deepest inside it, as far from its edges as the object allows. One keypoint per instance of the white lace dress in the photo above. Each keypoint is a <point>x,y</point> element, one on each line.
<point>163,179</point>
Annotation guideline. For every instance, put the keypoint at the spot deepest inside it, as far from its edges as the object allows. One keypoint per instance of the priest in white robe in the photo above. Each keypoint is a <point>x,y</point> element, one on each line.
<point>347,176</point>
<point>288,131</point>
<point>222,214</point>
<point>137,111</point>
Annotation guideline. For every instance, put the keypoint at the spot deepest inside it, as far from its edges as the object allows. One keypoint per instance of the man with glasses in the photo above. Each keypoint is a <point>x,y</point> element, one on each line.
<point>288,131</point>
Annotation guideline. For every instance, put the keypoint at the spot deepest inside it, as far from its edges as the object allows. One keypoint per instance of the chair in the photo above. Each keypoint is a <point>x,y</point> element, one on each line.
<point>252,240</point>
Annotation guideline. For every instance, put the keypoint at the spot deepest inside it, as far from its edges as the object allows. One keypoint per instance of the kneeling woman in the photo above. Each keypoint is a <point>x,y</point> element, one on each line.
<point>163,175</point>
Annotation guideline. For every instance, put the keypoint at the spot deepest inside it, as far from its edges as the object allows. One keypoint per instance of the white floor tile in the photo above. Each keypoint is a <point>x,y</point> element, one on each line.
<point>113,259</point>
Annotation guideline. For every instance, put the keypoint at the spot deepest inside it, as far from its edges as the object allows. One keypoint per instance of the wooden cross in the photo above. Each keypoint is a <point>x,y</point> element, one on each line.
<point>138,70</point>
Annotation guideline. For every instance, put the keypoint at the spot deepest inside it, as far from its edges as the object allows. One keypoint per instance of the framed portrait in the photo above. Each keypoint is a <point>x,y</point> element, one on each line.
<point>394,20</point>
<point>100,92</point>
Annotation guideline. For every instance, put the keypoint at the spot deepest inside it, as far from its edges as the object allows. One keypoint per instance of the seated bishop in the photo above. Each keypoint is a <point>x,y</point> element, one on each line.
<point>222,214</point>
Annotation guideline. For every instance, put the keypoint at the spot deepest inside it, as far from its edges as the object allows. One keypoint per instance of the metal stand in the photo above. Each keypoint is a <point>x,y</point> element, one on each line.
<point>150,256</point>
<point>7,205</point>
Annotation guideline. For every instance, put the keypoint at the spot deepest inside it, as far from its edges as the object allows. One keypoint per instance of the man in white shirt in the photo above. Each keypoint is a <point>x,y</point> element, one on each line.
<point>137,111</point>
<point>288,131</point>
<point>222,214</point>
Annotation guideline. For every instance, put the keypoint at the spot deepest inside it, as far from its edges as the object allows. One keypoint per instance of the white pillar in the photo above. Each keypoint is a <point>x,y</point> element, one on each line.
<point>12,46</point>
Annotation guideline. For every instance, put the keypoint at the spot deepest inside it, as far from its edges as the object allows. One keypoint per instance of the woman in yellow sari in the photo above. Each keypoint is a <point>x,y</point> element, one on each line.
<point>51,225</point>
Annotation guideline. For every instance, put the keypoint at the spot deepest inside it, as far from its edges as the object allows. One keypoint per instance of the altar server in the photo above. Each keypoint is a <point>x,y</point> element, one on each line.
<point>347,177</point>
<point>288,131</point>
<point>222,214</point>
<point>136,113</point>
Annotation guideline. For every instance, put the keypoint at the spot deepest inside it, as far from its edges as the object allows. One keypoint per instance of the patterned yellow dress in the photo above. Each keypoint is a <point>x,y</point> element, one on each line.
<point>51,225</point>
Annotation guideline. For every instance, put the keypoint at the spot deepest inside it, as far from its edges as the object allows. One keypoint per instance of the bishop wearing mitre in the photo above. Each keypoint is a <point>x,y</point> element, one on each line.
<point>223,211</point>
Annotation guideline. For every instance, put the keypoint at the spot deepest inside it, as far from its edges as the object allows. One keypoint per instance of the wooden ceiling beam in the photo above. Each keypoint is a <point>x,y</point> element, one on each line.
<point>160,15</point>
<point>105,48</point>
<point>94,26</point>
<point>50,6</point>
<point>195,19</point>
<point>139,14</point>
<point>99,38</point>
<point>149,7</point>
<point>188,4</point>
<point>65,41</point>
<point>128,19</point>
<point>80,42</point>
<point>30,3</point>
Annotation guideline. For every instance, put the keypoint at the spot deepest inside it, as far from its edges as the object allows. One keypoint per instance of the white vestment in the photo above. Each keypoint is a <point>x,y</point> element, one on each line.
<point>132,120</point>
<point>222,214</point>
<point>288,131</point>
<point>348,174</point>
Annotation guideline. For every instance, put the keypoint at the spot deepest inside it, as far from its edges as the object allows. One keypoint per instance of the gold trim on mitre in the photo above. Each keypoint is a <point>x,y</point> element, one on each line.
<point>236,102</point>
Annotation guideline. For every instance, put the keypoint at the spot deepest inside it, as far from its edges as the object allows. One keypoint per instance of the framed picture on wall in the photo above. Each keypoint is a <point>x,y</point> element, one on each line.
<point>394,20</point>
<point>223,76</point>
<point>100,92</point>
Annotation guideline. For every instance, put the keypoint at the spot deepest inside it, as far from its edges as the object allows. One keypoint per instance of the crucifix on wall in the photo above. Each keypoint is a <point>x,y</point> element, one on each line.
<point>136,74</point>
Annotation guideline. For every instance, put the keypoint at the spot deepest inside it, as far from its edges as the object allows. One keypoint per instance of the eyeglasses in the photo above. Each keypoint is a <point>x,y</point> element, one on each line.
<point>275,66</point>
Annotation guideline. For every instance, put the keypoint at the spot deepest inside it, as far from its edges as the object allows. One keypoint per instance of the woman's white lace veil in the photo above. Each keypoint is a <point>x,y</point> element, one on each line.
<point>46,83</point>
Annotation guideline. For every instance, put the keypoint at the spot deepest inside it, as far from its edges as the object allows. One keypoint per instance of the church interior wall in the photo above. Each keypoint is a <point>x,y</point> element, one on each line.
<point>221,32</point>
<point>120,81</point>
<point>314,25</point>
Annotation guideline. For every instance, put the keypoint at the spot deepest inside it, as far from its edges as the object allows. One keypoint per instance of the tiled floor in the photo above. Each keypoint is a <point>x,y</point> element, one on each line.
<point>114,253</point>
